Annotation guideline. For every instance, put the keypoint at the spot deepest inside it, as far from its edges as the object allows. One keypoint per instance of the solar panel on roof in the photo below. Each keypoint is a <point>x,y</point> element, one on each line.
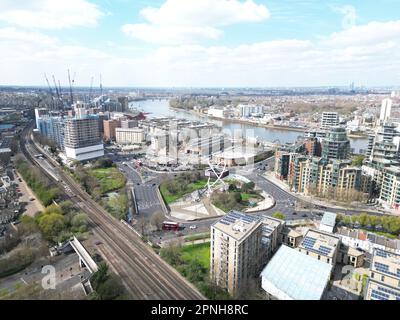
<point>381,253</point>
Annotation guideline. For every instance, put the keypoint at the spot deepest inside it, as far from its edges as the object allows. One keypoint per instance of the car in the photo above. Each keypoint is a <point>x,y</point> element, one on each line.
<point>97,242</point>
<point>294,213</point>
<point>192,227</point>
<point>31,199</point>
<point>304,215</point>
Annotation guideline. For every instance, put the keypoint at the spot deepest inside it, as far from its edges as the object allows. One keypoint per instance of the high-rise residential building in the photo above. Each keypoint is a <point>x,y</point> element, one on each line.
<point>386,110</point>
<point>313,147</point>
<point>53,129</point>
<point>317,175</point>
<point>82,141</point>
<point>236,251</point>
<point>384,276</point>
<point>39,113</point>
<point>336,145</point>
<point>282,161</point>
<point>102,117</point>
<point>109,128</point>
<point>390,188</point>
<point>124,101</point>
<point>329,120</point>
<point>129,136</point>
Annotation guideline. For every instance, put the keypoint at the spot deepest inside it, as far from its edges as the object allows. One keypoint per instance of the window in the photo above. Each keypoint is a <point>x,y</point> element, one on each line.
<point>319,257</point>
<point>382,278</point>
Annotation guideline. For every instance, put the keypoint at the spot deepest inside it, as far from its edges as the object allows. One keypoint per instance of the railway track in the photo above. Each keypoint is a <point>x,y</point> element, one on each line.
<point>143,272</point>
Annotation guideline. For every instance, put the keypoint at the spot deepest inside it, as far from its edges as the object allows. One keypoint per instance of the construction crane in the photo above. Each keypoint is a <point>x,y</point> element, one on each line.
<point>70,88</point>
<point>57,92</point>
<point>50,90</point>
<point>101,89</point>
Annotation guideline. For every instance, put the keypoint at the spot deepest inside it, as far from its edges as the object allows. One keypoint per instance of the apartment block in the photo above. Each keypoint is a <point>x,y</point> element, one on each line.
<point>336,145</point>
<point>329,120</point>
<point>129,136</point>
<point>82,140</point>
<point>109,128</point>
<point>320,245</point>
<point>271,235</point>
<point>317,175</point>
<point>236,251</point>
<point>384,280</point>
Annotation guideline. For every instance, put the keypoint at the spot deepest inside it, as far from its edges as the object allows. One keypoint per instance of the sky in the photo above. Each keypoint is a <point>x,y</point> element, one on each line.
<point>201,43</point>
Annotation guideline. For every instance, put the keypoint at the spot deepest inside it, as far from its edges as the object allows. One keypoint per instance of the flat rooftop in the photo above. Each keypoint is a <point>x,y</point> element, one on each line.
<point>292,275</point>
<point>319,242</point>
<point>386,262</point>
<point>329,219</point>
<point>237,224</point>
<point>270,224</point>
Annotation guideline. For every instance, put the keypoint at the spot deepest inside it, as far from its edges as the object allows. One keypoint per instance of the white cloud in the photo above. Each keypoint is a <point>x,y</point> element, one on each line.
<point>24,56</point>
<point>187,21</point>
<point>369,34</point>
<point>49,14</point>
<point>170,34</point>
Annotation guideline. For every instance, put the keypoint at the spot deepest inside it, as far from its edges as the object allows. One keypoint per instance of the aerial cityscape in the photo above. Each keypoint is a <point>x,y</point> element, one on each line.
<point>232,150</point>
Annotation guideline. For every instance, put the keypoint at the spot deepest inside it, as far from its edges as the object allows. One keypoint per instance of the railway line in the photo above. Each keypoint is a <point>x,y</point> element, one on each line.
<point>143,272</point>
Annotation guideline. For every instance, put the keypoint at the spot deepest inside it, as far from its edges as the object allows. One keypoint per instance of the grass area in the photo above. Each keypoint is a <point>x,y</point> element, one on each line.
<point>385,234</point>
<point>248,196</point>
<point>110,179</point>
<point>201,252</point>
<point>193,262</point>
<point>189,188</point>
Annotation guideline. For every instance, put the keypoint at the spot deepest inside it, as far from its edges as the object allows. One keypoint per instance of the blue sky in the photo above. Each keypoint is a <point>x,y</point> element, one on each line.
<point>201,43</point>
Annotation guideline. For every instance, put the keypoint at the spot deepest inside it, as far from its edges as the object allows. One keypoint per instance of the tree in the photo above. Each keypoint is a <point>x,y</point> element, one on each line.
<point>67,207</point>
<point>195,271</point>
<point>100,276</point>
<point>79,223</point>
<point>50,223</point>
<point>279,215</point>
<point>358,160</point>
<point>28,225</point>
<point>248,187</point>
<point>119,206</point>
<point>157,220</point>
<point>172,254</point>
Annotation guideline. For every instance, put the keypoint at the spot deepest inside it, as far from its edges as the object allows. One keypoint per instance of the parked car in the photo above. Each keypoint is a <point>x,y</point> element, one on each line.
<point>192,227</point>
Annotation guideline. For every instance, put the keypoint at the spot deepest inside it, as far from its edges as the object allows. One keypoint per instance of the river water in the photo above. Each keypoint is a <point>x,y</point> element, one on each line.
<point>160,108</point>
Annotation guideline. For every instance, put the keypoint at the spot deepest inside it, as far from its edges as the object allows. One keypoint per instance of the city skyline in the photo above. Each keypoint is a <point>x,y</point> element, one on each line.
<point>176,43</point>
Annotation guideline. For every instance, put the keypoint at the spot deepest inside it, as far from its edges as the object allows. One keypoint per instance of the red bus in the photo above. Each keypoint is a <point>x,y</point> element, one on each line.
<point>171,226</point>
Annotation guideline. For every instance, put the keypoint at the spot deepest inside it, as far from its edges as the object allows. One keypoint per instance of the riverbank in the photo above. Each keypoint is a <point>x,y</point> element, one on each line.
<point>241,121</point>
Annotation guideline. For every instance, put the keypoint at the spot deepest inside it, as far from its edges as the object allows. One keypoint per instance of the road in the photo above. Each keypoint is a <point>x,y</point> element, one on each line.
<point>143,272</point>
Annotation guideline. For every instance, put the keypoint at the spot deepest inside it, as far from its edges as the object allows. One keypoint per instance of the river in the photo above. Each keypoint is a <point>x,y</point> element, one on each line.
<point>160,108</point>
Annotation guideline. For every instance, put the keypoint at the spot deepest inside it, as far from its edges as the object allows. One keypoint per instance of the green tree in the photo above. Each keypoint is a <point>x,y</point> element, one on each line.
<point>51,225</point>
<point>279,215</point>
<point>118,206</point>
<point>172,254</point>
<point>79,223</point>
<point>358,160</point>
